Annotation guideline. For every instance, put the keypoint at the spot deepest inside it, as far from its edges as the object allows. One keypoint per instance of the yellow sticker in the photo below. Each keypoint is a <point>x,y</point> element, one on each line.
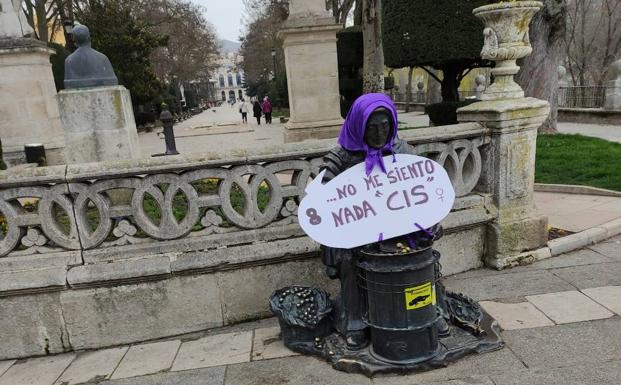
<point>420,296</point>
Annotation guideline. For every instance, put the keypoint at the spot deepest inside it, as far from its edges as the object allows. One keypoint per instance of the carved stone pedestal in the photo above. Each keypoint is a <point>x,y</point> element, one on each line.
<point>99,124</point>
<point>28,108</point>
<point>511,174</point>
<point>613,88</point>
<point>309,41</point>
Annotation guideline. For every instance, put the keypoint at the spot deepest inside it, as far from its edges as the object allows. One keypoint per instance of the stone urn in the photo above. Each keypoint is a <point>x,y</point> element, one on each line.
<point>506,41</point>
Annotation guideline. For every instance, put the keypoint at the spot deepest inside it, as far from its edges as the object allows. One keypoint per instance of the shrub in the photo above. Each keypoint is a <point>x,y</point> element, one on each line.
<point>445,113</point>
<point>349,48</point>
<point>443,34</point>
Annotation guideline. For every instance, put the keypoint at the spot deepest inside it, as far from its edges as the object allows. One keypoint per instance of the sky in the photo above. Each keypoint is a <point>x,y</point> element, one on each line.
<point>225,15</point>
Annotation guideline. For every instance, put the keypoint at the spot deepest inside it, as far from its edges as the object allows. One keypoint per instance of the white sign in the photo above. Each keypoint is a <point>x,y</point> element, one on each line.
<point>354,209</point>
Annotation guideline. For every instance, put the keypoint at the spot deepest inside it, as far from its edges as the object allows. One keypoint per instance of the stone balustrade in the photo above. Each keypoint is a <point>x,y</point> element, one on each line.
<point>207,202</point>
<point>102,254</point>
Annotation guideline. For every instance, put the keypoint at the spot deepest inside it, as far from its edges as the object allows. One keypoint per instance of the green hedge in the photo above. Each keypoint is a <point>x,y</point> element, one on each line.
<point>58,64</point>
<point>350,51</point>
<point>349,47</point>
<point>431,32</point>
<point>445,113</point>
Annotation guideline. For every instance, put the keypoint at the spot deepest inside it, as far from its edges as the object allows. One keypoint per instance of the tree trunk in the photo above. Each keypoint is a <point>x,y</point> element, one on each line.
<point>408,90</point>
<point>41,14</point>
<point>539,74</point>
<point>2,164</point>
<point>358,12</point>
<point>434,93</point>
<point>373,66</point>
<point>450,83</point>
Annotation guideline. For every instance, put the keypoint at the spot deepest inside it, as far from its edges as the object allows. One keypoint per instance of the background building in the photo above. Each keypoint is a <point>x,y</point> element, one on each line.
<point>229,77</point>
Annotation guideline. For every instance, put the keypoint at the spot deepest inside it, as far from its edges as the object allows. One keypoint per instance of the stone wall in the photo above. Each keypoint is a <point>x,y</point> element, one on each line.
<point>589,116</point>
<point>87,262</point>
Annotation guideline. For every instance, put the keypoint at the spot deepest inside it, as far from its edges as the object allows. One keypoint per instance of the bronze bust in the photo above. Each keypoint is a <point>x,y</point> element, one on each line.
<point>87,67</point>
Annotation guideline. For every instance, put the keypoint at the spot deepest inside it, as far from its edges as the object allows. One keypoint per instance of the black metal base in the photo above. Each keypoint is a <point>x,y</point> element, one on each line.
<point>165,154</point>
<point>463,340</point>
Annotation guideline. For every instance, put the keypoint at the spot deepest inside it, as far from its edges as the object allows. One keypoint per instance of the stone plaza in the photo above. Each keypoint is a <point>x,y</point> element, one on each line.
<point>121,268</point>
<point>560,319</point>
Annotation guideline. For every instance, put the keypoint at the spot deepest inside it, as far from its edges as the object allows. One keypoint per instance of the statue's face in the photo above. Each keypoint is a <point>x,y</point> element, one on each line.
<point>379,129</point>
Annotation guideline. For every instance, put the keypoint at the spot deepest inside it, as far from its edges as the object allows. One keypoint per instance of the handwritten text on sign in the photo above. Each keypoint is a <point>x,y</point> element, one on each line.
<point>354,209</point>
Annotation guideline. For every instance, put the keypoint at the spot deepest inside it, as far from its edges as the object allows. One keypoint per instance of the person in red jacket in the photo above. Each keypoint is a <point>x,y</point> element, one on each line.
<point>266,106</point>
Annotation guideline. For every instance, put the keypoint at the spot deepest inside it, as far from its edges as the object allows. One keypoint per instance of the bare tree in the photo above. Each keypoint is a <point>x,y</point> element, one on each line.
<point>340,9</point>
<point>593,39</point>
<point>192,49</point>
<point>538,75</point>
<point>264,19</point>
<point>373,65</point>
<point>43,17</point>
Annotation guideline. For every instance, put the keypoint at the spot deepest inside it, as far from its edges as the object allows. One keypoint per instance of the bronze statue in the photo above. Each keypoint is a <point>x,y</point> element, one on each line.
<point>392,313</point>
<point>369,133</point>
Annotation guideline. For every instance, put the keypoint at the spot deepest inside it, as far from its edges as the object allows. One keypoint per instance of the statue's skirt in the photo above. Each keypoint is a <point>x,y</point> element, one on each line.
<point>401,298</point>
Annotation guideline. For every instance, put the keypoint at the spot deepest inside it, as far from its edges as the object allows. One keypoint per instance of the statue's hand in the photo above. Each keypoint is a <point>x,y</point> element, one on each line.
<point>332,272</point>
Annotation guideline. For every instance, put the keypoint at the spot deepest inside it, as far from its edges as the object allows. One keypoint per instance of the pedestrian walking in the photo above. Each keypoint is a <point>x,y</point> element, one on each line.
<point>256,109</point>
<point>266,107</point>
<point>243,110</point>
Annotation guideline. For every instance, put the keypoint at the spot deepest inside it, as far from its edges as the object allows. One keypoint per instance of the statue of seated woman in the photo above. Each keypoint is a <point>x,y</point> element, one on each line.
<point>368,134</point>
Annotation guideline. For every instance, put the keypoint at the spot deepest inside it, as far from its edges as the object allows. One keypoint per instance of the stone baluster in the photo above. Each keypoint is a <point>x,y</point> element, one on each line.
<point>513,120</point>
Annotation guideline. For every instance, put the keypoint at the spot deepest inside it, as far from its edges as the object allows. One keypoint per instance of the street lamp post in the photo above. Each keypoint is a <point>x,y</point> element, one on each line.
<point>68,30</point>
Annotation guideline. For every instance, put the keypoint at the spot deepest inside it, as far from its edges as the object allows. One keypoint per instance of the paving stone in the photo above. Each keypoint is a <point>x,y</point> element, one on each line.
<point>215,350</point>
<point>510,285</point>
<point>609,296</point>
<point>610,248</point>
<point>267,344</point>
<point>92,366</point>
<point>146,359</point>
<point>412,380</point>
<point>586,277</point>
<point>36,371</point>
<point>574,258</point>
<point>473,365</point>
<point>569,306</point>
<point>290,371</point>
<point>483,272</point>
<point>210,376</point>
<point>5,365</point>
<point>513,316</point>
<point>567,345</point>
<point>593,374</point>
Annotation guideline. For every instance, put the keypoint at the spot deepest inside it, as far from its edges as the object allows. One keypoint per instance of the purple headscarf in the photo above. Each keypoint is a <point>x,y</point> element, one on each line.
<point>352,134</point>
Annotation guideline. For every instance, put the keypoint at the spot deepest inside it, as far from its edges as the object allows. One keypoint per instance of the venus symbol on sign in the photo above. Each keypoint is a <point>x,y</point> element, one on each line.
<point>440,194</point>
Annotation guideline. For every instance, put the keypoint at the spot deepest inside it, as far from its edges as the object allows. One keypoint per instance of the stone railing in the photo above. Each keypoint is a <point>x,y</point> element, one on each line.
<point>95,212</point>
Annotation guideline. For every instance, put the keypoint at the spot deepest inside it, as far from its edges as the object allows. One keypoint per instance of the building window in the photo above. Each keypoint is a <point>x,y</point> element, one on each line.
<point>223,96</point>
<point>231,95</point>
<point>230,80</point>
<point>221,81</point>
<point>240,93</point>
<point>239,79</point>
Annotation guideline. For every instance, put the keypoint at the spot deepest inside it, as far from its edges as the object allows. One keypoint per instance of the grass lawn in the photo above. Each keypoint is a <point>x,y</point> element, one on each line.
<point>579,160</point>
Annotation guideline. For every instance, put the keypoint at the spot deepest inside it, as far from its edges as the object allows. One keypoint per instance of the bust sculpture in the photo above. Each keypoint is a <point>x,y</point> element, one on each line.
<point>87,67</point>
<point>13,22</point>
